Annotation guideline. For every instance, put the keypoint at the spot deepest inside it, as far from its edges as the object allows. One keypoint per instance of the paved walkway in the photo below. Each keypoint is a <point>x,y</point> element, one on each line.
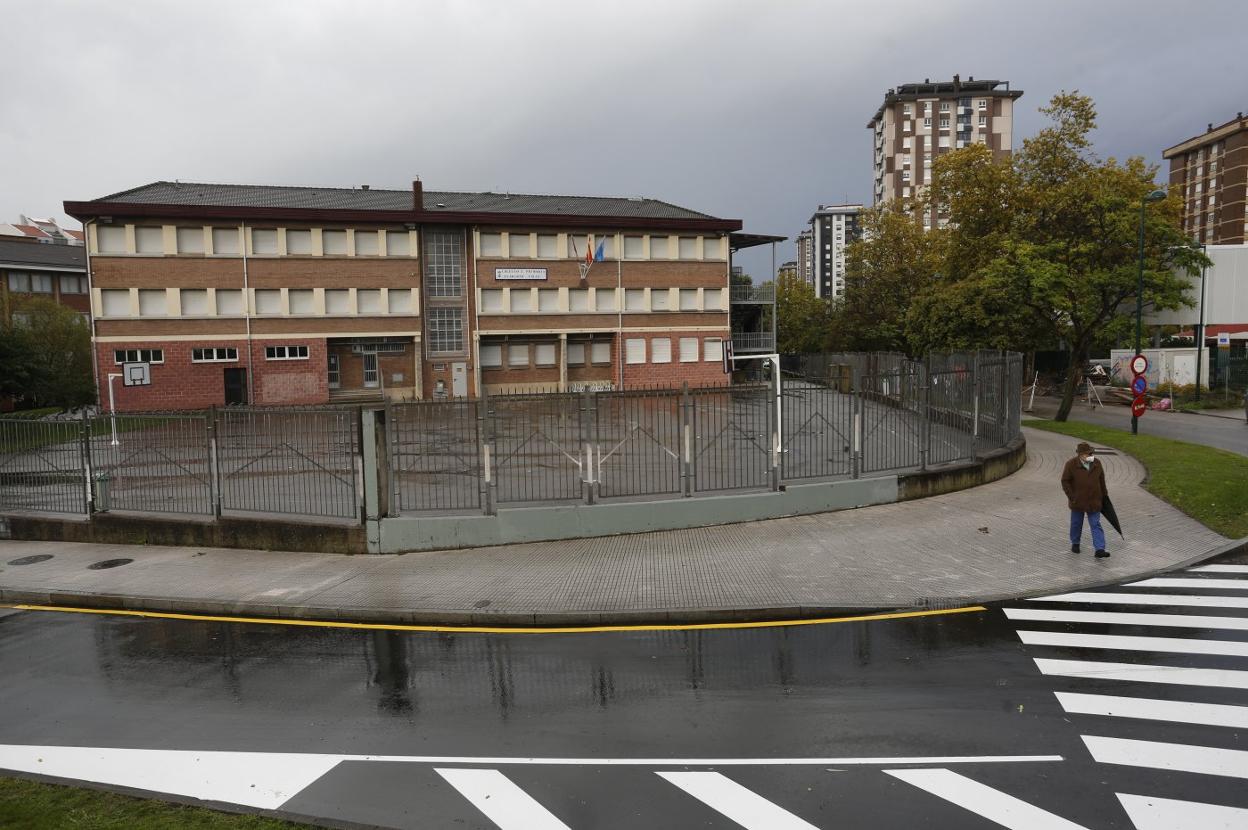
<point>1003,539</point>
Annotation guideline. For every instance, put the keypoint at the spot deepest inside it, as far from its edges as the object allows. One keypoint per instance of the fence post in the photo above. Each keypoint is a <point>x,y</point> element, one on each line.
<point>925,401</point>
<point>214,461</point>
<point>84,450</point>
<point>855,456</point>
<point>486,433</point>
<point>369,445</point>
<point>777,429</point>
<point>686,440</point>
<point>588,475</point>
<point>975,405</point>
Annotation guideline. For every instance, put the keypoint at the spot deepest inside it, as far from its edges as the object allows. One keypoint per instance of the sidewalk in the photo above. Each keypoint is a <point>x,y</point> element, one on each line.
<point>1000,540</point>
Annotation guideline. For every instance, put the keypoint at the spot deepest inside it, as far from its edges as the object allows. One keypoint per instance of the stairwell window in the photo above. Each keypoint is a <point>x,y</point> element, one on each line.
<point>121,356</point>
<point>223,354</point>
<point>285,352</point>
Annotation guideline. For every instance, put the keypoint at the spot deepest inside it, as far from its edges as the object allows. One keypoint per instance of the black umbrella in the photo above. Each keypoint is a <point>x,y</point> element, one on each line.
<point>1111,515</point>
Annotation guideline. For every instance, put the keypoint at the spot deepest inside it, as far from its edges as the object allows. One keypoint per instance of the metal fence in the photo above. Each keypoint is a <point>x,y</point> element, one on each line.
<point>824,417</point>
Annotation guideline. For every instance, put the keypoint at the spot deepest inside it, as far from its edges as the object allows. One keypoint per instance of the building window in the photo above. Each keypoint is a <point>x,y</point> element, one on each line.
<point>337,301</point>
<point>635,350</point>
<point>944,106</point>
<point>688,299</point>
<point>491,356</point>
<point>444,264</point>
<point>229,302</point>
<point>660,350</point>
<point>548,300</point>
<point>491,245</point>
<point>110,239</point>
<point>368,301</point>
<point>194,302</point>
<point>520,300</point>
<point>446,330</point>
<point>491,301</point>
<point>190,240</point>
<point>578,299</point>
<point>604,299</point>
<point>600,352</point>
<point>399,300</point>
<point>713,299</point>
<point>225,241</point>
<point>398,243</point>
<point>299,242</point>
<point>660,299</point>
<point>634,247</point>
<point>285,352</point>
<point>547,245</point>
<point>659,247</point>
<point>927,122</point>
<point>73,285</point>
<point>545,354</point>
<point>607,241</point>
<point>688,350</point>
<point>220,354</point>
<point>688,247</point>
<point>518,245</point>
<point>153,302</point>
<point>905,109</point>
<point>576,354</point>
<point>334,243</point>
<point>263,241</point>
<point>712,247</point>
<point>367,243</point>
<point>983,121</point>
<point>149,240</point>
<point>301,300</point>
<point>121,356</point>
<point>518,355</point>
<point>982,103</point>
<point>634,299</point>
<point>268,301</point>
<point>944,122</point>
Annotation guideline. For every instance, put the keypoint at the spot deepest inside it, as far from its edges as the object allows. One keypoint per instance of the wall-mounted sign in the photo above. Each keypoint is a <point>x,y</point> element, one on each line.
<point>1224,339</point>
<point>519,273</point>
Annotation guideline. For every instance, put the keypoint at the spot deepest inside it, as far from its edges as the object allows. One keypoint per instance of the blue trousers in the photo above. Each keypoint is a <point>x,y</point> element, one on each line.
<point>1076,528</point>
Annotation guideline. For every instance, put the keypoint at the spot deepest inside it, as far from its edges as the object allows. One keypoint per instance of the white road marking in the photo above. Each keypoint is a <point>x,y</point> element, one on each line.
<point>265,780</point>
<point>1127,618</point>
<point>503,803</point>
<point>1144,673</point>
<point>1147,599</point>
<point>746,807</point>
<point>994,805</point>
<point>1175,645</point>
<point>1150,813</point>
<point>1172,711</point>
<point>1180,582</point>
<point>1206,760</point>
<point>1220,569</point>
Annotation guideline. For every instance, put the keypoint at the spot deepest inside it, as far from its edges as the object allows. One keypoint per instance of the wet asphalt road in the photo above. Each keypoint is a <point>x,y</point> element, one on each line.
<point>932,693</point>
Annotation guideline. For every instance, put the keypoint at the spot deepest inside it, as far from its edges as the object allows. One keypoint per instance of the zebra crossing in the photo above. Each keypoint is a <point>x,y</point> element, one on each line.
<point>1139,667</point>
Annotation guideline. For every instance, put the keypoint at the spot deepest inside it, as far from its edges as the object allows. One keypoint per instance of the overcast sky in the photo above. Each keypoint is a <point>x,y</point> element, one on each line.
<point>749,110</point>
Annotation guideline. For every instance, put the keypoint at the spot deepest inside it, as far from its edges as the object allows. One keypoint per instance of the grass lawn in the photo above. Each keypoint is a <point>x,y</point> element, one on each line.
<point>31,805</point>
<point>1208,484</point>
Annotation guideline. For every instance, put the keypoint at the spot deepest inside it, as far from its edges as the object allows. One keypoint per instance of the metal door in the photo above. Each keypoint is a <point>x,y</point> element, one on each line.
<point>371,378</point>
<point>459,380</point>
<point>235,387</point>
<point>334,375</point>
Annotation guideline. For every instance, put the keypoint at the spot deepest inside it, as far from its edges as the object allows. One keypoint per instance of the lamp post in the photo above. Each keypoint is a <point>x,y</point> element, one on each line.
<point>1155,196</point>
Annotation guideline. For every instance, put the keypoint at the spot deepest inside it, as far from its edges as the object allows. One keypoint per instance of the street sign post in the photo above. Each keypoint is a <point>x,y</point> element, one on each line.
<point>1139,383</point>
<point>1139,406</point>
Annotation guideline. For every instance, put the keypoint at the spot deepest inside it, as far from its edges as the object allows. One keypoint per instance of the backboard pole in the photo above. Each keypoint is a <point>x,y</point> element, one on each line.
<point>112,405</point>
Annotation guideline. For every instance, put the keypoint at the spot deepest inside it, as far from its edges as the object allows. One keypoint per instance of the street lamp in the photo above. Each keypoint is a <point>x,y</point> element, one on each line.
<point>1155,196</point>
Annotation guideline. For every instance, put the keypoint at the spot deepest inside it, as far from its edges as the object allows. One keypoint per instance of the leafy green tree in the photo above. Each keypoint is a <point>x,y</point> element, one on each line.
<point>804,321</point>
<point>51,348</point>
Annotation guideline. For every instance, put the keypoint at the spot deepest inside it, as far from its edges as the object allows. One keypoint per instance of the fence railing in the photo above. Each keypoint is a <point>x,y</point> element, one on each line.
<point>823,417</point>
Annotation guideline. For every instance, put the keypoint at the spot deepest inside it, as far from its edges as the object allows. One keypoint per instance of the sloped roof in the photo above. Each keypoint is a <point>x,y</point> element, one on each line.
<point>22,253</point>
<point>358,199</point>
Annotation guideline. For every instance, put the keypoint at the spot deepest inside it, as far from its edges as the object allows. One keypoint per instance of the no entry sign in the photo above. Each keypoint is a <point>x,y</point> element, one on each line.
<point>1138,406</point>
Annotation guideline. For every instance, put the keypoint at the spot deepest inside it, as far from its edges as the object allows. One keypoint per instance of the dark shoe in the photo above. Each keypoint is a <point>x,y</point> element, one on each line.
<point>1074,548</point>
<point>1102,554</point>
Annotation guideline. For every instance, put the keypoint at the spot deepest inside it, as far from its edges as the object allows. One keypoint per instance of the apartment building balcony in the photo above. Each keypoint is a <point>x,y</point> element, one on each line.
<point>753,341</point>
<point>747,294</point>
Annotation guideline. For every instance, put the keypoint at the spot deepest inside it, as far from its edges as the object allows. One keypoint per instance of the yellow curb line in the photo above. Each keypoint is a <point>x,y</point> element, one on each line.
<point>456,629</point>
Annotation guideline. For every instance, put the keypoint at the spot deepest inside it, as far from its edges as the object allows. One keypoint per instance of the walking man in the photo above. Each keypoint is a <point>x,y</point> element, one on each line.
<point>1083,479</point>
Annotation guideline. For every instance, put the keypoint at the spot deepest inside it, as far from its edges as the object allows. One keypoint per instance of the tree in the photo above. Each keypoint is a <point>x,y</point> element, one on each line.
<point>50,348</point>
<point>803,321</point>
<point>894,263</point>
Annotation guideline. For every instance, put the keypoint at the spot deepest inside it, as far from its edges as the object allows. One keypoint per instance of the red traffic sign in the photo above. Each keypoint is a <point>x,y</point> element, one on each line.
<point>1139,364</point>
<point>1140,385</point>
<point>1138,406</point>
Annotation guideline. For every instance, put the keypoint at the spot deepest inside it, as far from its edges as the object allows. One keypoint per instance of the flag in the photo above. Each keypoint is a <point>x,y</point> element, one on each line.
<point>589,252</point>
<point>598,252</point>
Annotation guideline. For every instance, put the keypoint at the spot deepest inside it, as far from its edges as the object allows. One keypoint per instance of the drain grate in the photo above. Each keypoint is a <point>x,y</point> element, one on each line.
<point>108,563</point>
<point>30,560</point>
<point>945,603</point>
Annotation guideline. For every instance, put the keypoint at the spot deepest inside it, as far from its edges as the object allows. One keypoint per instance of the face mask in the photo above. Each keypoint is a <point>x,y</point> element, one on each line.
<point>1090,459</point>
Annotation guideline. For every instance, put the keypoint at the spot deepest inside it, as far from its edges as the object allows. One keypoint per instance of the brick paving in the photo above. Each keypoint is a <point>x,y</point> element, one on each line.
<point>1003,539</point>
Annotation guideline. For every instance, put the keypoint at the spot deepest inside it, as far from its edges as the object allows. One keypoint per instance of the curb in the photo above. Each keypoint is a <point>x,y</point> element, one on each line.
<point>559,619</point>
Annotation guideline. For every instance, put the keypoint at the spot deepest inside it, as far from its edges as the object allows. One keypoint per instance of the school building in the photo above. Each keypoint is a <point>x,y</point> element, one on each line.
<point>303,295</point>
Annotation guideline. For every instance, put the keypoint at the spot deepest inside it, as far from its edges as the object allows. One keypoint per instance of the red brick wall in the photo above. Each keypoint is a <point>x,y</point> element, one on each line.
<point>180,384</point>
<point>672,375</point>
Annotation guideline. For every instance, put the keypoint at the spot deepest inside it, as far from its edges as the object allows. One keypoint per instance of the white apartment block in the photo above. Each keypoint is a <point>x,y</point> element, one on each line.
<point>832,228</point>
